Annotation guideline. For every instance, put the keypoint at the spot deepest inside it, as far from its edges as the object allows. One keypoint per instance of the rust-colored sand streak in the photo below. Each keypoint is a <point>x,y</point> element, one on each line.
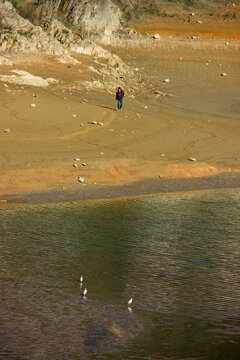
<point>209,28</point>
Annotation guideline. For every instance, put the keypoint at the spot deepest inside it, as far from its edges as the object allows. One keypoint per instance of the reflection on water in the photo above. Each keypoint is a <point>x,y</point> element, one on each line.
<point>177,256</point>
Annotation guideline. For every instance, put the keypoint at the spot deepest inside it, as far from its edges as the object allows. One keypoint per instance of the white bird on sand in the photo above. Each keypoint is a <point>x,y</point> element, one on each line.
<point>130,301</point>
<point>81,278</point>
<point>85,292</point>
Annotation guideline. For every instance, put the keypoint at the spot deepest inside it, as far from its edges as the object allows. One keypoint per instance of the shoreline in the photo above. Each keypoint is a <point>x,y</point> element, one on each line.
<point>142,187</point>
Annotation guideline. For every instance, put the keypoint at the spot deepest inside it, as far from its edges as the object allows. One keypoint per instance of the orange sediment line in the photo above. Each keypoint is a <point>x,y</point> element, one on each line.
<point>208,29</point>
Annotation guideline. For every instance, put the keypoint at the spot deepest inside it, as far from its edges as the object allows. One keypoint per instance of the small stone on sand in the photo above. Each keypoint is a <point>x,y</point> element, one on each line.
<point>33,105</point>
<point>81,179</point>
<point>76,159</point>
<point>192,159</point>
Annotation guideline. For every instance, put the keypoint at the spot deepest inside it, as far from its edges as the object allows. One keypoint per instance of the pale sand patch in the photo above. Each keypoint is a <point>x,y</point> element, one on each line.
<point>25,78</point>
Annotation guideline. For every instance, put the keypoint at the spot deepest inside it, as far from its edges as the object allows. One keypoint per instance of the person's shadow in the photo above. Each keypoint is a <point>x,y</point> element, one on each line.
<point>107,107</point>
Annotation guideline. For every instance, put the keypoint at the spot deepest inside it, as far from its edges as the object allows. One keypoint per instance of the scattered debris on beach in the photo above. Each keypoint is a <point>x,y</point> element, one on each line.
<point>81,179</point>
<point>156,37</point>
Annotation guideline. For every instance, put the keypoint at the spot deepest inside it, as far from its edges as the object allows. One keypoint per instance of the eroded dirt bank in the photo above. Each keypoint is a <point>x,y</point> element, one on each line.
<point>163,124</point>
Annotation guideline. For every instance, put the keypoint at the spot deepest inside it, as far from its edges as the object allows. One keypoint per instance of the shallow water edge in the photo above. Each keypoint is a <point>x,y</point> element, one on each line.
<point>136,188</point>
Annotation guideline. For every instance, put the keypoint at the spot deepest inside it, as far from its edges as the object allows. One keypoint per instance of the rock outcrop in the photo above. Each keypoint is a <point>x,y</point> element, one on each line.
<point>19,35</point>
<point>5,61</point>
<point>89,16</point>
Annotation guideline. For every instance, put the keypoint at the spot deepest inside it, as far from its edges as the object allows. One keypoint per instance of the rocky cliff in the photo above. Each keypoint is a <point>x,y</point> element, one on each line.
<point>65,28</point>
<point>103,16</point>
<point>89,17</point>
<point>19,35</point>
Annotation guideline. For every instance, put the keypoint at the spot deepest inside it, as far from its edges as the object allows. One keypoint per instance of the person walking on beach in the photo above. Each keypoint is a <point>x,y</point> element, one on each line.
<point>119,98</point>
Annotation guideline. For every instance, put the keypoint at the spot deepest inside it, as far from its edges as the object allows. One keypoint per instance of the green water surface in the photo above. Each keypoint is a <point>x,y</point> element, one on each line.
<point>178,256</point>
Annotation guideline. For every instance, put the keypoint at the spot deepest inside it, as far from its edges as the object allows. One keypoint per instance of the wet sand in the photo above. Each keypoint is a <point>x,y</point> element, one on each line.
<point>150,142</point>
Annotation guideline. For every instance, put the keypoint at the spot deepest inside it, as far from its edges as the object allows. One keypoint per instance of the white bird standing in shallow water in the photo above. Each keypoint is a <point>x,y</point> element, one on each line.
<point>85,292</point>
<point>130,301</point>
<point>81,281</point>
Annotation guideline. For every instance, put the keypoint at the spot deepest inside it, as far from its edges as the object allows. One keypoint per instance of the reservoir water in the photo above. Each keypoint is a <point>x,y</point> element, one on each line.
<point>177,255</point>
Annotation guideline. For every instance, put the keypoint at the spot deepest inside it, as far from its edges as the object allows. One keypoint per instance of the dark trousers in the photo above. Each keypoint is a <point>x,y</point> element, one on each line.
<point>120,104</point>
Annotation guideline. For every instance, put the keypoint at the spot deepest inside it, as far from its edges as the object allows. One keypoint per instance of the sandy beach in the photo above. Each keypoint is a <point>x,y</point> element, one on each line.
<point>184,128</point>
